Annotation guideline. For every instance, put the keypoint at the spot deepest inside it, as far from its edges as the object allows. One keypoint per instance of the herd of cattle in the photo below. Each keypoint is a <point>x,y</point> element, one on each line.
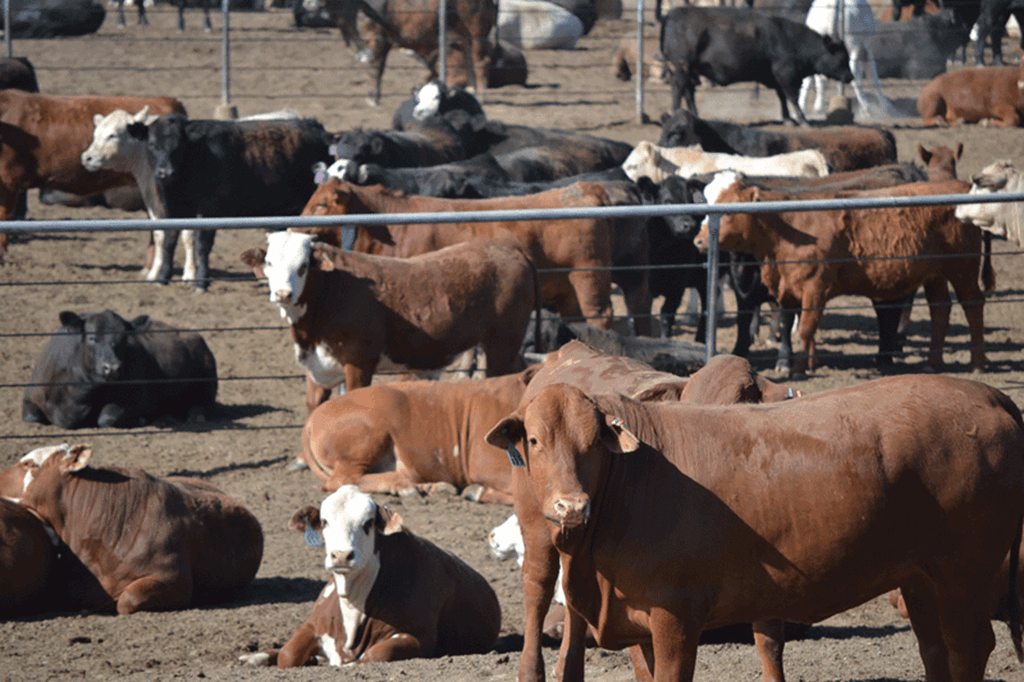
<point>926,471</point>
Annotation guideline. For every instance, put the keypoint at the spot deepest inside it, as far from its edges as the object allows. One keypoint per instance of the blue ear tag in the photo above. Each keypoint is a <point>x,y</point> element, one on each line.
<point>513,455</point>
<point>312,538</point>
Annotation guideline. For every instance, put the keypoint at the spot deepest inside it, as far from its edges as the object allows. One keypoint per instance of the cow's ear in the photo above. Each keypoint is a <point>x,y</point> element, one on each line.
<point>141,323</point>
<point>618,438</point>
<point>142,115</point>
<point>97,119</point>
<point>923,153</point>
<point>254,258</point>
<point>959,151</point>
<point>387,521</point>
<point>666,391</point>
<point>72,321</point>
<point>305,518</point>
<point>506,434</point>
<point>76,458</point>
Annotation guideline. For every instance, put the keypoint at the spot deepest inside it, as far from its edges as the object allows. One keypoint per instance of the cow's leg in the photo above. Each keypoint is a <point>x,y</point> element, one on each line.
<point>397,647</point>
<point>637,297</point>
<point>674,643</point>
<point>480,65</point>
<point>805,91</point>
<point>972,301</point>
<point>203,246</point>
<point>299,649</point>
<point>113,415</point>
<point>377,55</point>
<point>207,24</point>
<point>143,19</point>
<point>181,16</point>
<point>770,639</point>
<point>574,648</point>
<point>540,573</point>
<point>188,244</point>
<point>642,656</point>
<point>315,394</point>
<point>810,317</point>
<point>165,242</point>
<point>121,23</point>
<point>890,339</point>
<point>784,105</point>
<point>593,292</point>
<point>939,304</point>
<point>153,594</point>
<point>784,363</point>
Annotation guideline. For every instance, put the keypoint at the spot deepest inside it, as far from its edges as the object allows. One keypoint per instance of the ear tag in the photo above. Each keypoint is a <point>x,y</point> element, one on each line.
<point>312,538</point>
<point>320,177</point>
<point>513,455</point>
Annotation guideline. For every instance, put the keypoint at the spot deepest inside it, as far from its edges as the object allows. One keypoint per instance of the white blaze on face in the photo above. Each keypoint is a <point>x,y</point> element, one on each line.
<point>506,541</point>
<point>714,189</point>
<point>980,215</point>
<point>337,170</point>
<point>428,101</point>
<point>33,460</point>
<point>286,266</point>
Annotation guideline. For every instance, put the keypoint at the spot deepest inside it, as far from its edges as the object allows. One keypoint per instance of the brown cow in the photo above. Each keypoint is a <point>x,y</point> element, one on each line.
<point>879,253</point>
<point>766,527</point>
<point>43,140</point>
<point>392,595</point>
<point>27,558</point>
<point>413,25</point>
<point>347,309</point>
<point>585,244</point>
<point>187,544</point>
<point>625,58</point>
<point>725,379</point>
<point>990,94</point>
<point>406,434</point>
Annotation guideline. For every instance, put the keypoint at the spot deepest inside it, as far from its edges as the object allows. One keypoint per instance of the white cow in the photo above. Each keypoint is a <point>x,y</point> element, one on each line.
<point>537,25</point>
<point>1004,219</point>
<point>853,22</point>
<point>657,163</point>
<point>506,541</point>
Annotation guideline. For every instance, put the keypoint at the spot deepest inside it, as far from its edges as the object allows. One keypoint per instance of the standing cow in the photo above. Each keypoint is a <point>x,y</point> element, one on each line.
<point>727,45</point>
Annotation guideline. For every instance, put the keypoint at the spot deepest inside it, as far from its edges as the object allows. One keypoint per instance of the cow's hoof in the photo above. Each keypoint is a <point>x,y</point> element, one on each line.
<point>296,465</point>
<point>257,660</point>
<point>441,488</point>
<point>473,493</point>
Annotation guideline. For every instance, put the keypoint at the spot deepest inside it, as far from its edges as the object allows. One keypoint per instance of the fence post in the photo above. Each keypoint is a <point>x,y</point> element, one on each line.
<point>639,61</point>
<point>710,309</point>
<point>442,44</point>
<point>8,48</point>
<point>224,111</point>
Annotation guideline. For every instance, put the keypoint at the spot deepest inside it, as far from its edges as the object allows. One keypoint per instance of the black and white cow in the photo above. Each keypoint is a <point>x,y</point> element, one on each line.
<point>434,100</point>
<point>102,370</point>
<point>728,45</point>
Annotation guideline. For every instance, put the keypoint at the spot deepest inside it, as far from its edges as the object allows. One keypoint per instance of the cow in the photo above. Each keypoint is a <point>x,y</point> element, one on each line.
<point>434,141</point>
<point>433,100</point>
<point>584,245</point>
<point>845,147</point>
<point>1002,219</point>
<point>448,180</point>
<point>917,49</point>
<point>508,66</point>
<point>808,258</point>
<point>599,467</point>
<point>187,544</point>
<point>391,596</point>
<point>991,95</point>
<point>32,19</point>
<point>624,61</point>
<point>28,558</point>
<point>504,138</point>
<point>657,163</point>
<point>18,72</point>
<point>258,168</point>
<point>100,369</point>
<point>413,25</point>
<point>45,137</point>
<point>991,27</point>
<point>725,380</point>
<point>386,438</point>
<point>347,310</point>
<point>538,25</point>
<point>729,45</point>
<point>181,4</point>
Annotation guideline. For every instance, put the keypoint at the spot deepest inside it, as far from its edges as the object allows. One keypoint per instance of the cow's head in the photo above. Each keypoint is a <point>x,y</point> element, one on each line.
<point>285,263</point>
<point>166,140</point>
<point>562,437</point>
<point>834,61</point>
<point>506,540</point>
<point>104,340</point>
<point>714,193</point>
<point>16,479</point>
<point>1000,176</point>
<point>348,522</point>
<point>678,190</point>
<point>113,147</point>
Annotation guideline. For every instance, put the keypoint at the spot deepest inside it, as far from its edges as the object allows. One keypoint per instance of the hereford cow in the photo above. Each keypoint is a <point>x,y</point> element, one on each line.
<point>386,438</point>
<point>28,555</point>
<point>583,244</point>
<point>747,549</point>
<point>730,45</point>
<point>807,258</point>
<point>987,94</point>
<point>187,544</point>
<point>348,310</point>
<point>1003,219</point>
<point>845,147</point>
<point>538,25</point>
<point>657,163</point>
<point>414,26</point>
<point>102,370</point>
<point>392,595</point>
<point>45,137</point>
<point>726,379</point>
<point>435,100</point>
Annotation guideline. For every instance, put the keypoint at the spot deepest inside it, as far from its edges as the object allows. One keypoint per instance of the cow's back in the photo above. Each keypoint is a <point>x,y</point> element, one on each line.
<point>27,559</point>
<point>180,356</point>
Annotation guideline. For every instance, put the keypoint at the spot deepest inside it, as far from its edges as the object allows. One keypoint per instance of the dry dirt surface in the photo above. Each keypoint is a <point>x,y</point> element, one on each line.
<point>247,446</point>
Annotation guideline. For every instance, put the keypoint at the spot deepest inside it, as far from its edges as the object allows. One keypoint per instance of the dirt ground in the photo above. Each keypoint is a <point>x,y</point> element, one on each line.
<point>246,448</point>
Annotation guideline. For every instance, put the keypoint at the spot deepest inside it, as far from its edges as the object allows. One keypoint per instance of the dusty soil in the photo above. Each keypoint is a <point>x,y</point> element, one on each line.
<point>245,449</point>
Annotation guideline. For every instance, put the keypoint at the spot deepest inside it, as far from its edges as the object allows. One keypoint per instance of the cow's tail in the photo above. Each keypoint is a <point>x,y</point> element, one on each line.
<point>1013,611</point>
<point>988,274</point>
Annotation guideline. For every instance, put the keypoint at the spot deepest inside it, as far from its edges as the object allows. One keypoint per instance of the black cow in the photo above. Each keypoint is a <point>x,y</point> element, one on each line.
<point>992,18</point>
<point>435,141</point>
<point>728,45</point>
<point>211,169</point>
<point>54,18</point>
<point>450,180</point>
<point>435,100</point>
<point>917,49</point>
<point>504,138</point>
<point>483,188</point>
<point>102,370</point>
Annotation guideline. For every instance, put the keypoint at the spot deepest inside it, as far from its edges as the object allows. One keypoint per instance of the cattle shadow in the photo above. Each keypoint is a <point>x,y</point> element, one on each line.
<point>237,466</point>
<point>278,590</point>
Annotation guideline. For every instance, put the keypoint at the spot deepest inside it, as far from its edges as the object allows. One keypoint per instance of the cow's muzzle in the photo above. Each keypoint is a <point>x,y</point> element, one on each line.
<point>573,511</point>
<point>341,560</point>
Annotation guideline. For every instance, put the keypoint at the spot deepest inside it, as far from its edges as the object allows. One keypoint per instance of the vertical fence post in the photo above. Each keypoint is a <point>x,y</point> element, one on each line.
<point>711,308</point>
<point>639,61</point>
<point>442,44</point>
<point>8,48</point>
<point>225,111</point>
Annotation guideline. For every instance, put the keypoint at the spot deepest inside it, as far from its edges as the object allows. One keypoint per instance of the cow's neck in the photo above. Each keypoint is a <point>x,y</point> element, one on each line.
<point>353,592</point>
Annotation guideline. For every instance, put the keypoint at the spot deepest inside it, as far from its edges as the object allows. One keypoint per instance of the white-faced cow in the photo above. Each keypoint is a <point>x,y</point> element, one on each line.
<point>391,596</point>
<point>1003,219</point>
<point>729,45</point>
<point>100,369</point>
<point>796,510</point>
<point>151,543</point>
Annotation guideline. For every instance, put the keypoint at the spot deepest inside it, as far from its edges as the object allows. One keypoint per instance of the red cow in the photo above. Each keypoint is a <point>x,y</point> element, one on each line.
<point>27,558</point>
<point>991,93</point>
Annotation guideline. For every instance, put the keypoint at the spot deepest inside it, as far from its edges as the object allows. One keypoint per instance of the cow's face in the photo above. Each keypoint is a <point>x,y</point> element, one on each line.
<point>112,147</point>
<point>563,439</point>
<point>166,145</point>
<point>506,540</point>
<point>348,523</point>
<point>105,339</point>
<point>428,100</point>
<point>678,190</point>
<point>990,180</point>
<point>16,480</point>
<point>286,266</point>
<point>834,61</point>
<point>714,192</point>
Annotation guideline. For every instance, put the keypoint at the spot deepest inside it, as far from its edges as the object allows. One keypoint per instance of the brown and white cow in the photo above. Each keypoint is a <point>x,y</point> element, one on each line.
<point>391,595</point>
<point>987,94</point>
<point>406,434</point>
<point>45,136</point>
<point>348,310</point>
<point>1003,219</point>
<point>808,258</point>
<point>187,543</point>
<point>583,244</point>
<point>794,510</point>
<point>27,559</point>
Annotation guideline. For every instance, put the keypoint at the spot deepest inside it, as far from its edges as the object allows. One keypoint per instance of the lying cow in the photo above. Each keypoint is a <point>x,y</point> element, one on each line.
<point>52,132</point>
<point>27,558</point>
<point>348,310</point>
<point>391,596</point>
<point>804,263</point>
<point>100,369</point>
<point>730,45</point>
<point>386,438</point>
<point>187,544</point>
<point>657,163</point>
<point>981,94</point>
<point>624,61</point>
<point>1004,219</point>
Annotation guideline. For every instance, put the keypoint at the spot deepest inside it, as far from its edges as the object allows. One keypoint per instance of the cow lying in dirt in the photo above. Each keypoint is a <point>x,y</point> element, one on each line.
<point>657,163</point>
<point>983,94</point>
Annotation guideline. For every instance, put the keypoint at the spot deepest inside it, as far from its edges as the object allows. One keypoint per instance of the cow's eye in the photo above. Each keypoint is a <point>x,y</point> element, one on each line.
<point>533,441</point>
